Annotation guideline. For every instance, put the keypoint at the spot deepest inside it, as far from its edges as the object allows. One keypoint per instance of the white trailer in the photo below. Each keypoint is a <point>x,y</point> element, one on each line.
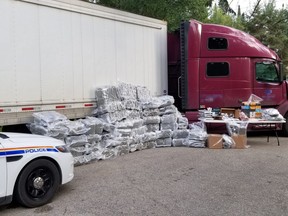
<point>55,53</point>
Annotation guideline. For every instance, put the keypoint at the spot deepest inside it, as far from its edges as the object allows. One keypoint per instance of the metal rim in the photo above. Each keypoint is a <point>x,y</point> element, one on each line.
<point>39,182</point>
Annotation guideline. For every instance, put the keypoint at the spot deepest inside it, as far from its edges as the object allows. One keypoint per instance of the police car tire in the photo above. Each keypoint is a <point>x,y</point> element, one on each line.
<point>285,126</point>
<point>23,188</point>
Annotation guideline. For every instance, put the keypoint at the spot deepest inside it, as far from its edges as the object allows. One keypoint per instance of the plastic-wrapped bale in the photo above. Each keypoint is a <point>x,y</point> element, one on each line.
<point>149,145</point>
<point>197,135</point>
<point>166,142</point>
<point>152,127</point>
<point>129,123</point>
<point>154,103</point>
<point>96,125</point>
<point>272,114</point>
<point>122,146</point>
<point>106,95</point>
<point>182,122</point>
<point>164,134</point>
<point>48,117</point>
<point>143,93</point>
<point>167,119</point>
<point>132,105</point>
<point>147,137</point>
<point>167,110</point>
<point>76,127</point>
<point>81,150</point>
<point>56,130</point>
<point>139,131</point>
<point>169,126</point>
<point>108,128</point>
<point>158,102</point>
<point>109,153</point>
<point>112,106</point>
<point>127,91</point>
<point>180,134</point>
<point>194,143</point>
<point>76,141</point>
<point>151,120</point>
<point>133,114</point>
<point>94,138</point>
<point>135,144</point>
<point>178,142</point>
<point>124,132</point>
<point>152,123</point>
<point>115,116</point>
<point>151,112</point>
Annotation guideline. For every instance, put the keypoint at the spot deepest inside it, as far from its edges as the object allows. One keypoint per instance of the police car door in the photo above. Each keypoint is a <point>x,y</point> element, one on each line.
<point>3,175</point>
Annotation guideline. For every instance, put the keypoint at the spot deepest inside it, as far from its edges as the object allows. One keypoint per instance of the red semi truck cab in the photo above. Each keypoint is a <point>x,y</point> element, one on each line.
<point>217,66</point>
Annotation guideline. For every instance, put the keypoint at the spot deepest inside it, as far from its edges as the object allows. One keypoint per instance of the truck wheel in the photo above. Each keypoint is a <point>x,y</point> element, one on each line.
<point>37,183</point>
<point>285,126</point>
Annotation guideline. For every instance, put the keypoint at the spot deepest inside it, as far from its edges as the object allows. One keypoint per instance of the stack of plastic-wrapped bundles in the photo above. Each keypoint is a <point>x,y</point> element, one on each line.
<point>83,137</point>
<point>127,118</point>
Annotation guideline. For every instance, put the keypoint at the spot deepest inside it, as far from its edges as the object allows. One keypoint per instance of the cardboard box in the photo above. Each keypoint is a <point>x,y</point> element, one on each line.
<point>240,141</point>
<point>231,111</point>
<point>215,141</point>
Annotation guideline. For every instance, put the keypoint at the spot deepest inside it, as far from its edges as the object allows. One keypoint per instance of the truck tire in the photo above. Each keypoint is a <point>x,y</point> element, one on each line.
<point>285,126</point>
<point>37,183</point>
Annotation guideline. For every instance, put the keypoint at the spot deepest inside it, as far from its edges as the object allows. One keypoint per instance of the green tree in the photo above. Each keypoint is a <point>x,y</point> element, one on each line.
<point>270,26</point>
<point>218,16</point>
<point>172,11</point>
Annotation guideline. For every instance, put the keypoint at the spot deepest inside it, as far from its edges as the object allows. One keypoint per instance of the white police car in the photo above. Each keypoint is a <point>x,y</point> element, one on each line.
<point>32,168</point>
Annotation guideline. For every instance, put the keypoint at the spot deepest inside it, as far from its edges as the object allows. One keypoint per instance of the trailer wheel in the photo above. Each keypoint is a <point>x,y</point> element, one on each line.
<point>285,126</point>
<point>37,183</point>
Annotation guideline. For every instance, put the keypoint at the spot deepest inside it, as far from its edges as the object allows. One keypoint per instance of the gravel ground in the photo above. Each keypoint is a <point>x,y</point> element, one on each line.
<point>177,181</point>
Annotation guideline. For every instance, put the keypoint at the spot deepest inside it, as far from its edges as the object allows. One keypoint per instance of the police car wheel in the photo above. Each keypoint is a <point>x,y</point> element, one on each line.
<point>37,183</point>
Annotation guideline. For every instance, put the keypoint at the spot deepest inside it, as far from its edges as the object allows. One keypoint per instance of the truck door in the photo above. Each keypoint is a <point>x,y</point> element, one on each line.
<point>267,82</point>
<point>3,174</point>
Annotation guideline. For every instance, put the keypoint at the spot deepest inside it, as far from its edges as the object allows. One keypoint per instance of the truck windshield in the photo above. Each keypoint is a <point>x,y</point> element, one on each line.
<point>267,72</point>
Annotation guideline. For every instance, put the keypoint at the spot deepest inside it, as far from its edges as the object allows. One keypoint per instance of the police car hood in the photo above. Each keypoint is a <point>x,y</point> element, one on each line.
<point>10,140</point>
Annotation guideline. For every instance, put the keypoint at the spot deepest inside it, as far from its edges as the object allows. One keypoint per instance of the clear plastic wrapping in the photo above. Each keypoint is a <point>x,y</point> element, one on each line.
<point>180,134</point>
<point>152,127</point>
<point>166,142</point>
<point>158,102</point>
<point>272,114</point>
<point>132,105</point>
<point>147,137</point>
<point>167,119</point>
<point>168,110</point>
<point>164,134</point>
<point>228,142</point>
<point>151,112</point>
<point>48,117</point>
<point>76,127</point>
<point>236,127</point>
<point>197,135</point>
<point>115,116</point>
<point>76,141</point>
<point>96,125</point>
<point>106,94</point>
<point>109,107</point>
<point>143,93</point>
<point>178,142</point>
<point>169,126</point>
<point>152,120</point>
<point>127,91</point>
